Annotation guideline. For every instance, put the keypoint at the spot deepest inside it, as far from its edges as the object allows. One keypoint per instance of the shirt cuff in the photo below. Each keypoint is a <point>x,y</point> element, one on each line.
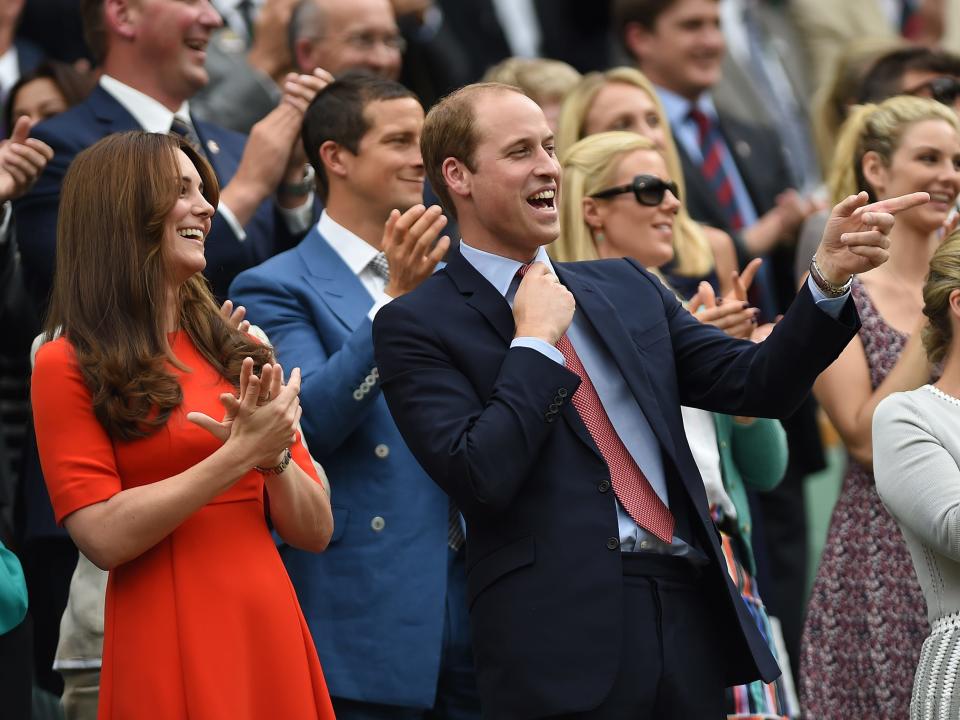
<point>227,214</point>
<point>298,219</point>
<point>542,347</point>
<point>832,306</point>
<point>379,301</point>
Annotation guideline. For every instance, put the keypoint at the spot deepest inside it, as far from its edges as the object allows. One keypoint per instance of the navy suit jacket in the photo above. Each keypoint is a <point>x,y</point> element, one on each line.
<point>95,118</point>
<point>374,599</point>
<point>494,427</point>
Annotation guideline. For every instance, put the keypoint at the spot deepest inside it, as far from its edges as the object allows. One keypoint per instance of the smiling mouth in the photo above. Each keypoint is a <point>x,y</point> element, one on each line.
<point>198,45</point>
<point>191,233</point>
<point>544,200</point>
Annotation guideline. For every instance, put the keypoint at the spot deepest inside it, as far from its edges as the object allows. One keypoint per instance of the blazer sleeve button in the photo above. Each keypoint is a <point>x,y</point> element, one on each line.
<point>358,394</point>
<point>612,543</point>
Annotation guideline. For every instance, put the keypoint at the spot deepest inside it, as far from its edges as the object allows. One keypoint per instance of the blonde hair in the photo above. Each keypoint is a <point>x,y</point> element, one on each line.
<point>693,256</point>
<point>879,129</point>
<point>540,78</point>
<point>943,279</point>
<point>588,168</point>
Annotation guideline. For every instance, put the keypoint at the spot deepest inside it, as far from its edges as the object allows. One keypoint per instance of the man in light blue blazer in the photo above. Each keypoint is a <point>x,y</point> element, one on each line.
<point>386,601</point>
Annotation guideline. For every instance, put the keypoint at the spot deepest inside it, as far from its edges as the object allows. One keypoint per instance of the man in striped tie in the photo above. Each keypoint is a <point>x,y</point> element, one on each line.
<point>545,399</point>
<point>385,601</point>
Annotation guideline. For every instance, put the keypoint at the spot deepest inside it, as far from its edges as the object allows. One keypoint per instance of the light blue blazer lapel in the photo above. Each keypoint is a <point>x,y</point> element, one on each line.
<point>605,319</point>
<point>338,288</point>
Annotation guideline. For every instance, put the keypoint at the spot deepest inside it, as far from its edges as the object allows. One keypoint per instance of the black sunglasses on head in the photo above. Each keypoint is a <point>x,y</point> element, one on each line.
<point>647,189</point>
<point>944,89</point>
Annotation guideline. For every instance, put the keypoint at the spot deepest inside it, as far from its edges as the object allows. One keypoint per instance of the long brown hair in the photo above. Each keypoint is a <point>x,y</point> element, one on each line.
<point>109,289</point>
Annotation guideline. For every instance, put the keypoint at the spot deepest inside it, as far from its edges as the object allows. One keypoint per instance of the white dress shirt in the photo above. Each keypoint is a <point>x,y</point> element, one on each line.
<point>357,254</point>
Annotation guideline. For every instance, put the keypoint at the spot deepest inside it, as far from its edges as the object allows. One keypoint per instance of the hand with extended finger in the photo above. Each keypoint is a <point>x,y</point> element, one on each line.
<point>857,235</point>
<point>411,246</point>
<point>730,314</point>
<point>542,308</point>
<point>22,159</point>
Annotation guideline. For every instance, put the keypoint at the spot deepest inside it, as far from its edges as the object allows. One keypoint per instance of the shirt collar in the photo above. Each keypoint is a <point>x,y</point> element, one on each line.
<point>150,114</point>
<point>499,271</point>
<point>677,107</point>
<point>354,251</point>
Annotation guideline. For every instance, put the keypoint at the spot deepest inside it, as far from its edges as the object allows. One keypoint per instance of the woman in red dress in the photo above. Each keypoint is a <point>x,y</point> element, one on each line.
<point>201,619</point>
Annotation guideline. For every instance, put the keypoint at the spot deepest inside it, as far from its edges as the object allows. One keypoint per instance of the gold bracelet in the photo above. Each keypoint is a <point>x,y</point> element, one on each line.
<point>278,468</point>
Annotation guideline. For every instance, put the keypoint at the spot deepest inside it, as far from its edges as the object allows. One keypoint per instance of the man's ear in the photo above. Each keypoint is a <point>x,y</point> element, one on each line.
<point>121,16</point>
<point>457,177</point>
<point>874,171</point>
<point>335,158</point>
<point>637,39</point>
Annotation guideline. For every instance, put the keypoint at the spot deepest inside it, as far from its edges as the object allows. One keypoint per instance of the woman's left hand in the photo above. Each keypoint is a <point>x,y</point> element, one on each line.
<point>234,316</point>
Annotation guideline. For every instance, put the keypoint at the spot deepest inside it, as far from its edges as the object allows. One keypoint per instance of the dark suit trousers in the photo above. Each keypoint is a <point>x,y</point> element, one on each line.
<point>671,662</point>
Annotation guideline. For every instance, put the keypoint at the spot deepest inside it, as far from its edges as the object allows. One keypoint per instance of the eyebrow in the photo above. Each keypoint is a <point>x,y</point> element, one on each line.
<point>525,139</point>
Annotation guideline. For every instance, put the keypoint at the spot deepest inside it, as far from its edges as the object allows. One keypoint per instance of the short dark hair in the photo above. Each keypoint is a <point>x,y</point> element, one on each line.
<point>73,84</point>
<point>636,12</point>
<point>94,28</point>
<point>337,114</point>
<point>883,79</point>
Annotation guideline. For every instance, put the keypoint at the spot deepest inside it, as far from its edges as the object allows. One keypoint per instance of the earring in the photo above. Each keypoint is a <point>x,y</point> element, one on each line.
<point>598,237</point>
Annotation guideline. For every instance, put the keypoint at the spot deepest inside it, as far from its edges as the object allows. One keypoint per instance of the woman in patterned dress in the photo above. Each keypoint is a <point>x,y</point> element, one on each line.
<point>865,621</point>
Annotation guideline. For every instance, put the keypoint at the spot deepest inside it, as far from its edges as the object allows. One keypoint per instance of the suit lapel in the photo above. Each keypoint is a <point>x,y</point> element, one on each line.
<point>334,281</point>
<point>110,113</point>
<point>605,319</point>
<point>481,295</point>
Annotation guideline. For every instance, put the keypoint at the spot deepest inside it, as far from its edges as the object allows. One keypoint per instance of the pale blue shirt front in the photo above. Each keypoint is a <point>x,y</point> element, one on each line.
<point>618,401</point>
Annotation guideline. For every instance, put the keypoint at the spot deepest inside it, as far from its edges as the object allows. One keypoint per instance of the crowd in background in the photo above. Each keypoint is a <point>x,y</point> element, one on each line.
<point>742,122</point>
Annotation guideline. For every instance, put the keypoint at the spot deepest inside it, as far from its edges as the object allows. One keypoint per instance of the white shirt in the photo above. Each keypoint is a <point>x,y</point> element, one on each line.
<point>155,117</point>
<point>357,254</point>
<point>520,25</point>
<point>9,72</point>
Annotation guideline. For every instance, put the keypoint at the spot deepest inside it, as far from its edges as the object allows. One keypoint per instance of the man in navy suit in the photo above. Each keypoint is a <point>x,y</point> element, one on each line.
<point>595,578</point>
<point>152,53</point>
<point>386,600</point>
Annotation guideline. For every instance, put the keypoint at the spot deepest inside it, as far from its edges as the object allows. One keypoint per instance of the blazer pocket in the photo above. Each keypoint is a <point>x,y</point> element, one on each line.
<point>340,515</point>
<point>651,335</point>
<point>488,570</point>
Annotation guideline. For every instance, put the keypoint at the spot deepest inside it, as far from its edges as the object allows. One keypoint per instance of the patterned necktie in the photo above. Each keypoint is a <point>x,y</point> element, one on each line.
<point>455,536</point>
<point>186,131</point>
<point>712,151</point>
<point>631,486</point>
<point>380,266</point>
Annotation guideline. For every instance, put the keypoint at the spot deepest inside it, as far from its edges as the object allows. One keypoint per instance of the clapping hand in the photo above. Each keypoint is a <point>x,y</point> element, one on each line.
<point>411,246</point>
<point>234,316</point>
<point>262,420</point>
<point>22,159</point>
<point>731,313</point>
<point>857,235</point>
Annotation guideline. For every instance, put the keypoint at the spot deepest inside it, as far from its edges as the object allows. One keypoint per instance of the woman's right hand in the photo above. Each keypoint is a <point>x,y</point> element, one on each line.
<point>735,317</point>
<point>261,424</point>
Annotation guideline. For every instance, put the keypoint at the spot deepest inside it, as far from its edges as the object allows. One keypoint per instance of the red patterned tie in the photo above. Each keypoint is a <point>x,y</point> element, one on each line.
<point>631,486</point>
<point>712,149</point>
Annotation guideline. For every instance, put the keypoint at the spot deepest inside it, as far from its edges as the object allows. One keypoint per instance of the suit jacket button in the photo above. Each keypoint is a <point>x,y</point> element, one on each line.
<point>562,392</point>
<point>378,524</point>
<point>381,451</point>
<point>554,407</point>
<point>603,486</point>
<point>612,543</point>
